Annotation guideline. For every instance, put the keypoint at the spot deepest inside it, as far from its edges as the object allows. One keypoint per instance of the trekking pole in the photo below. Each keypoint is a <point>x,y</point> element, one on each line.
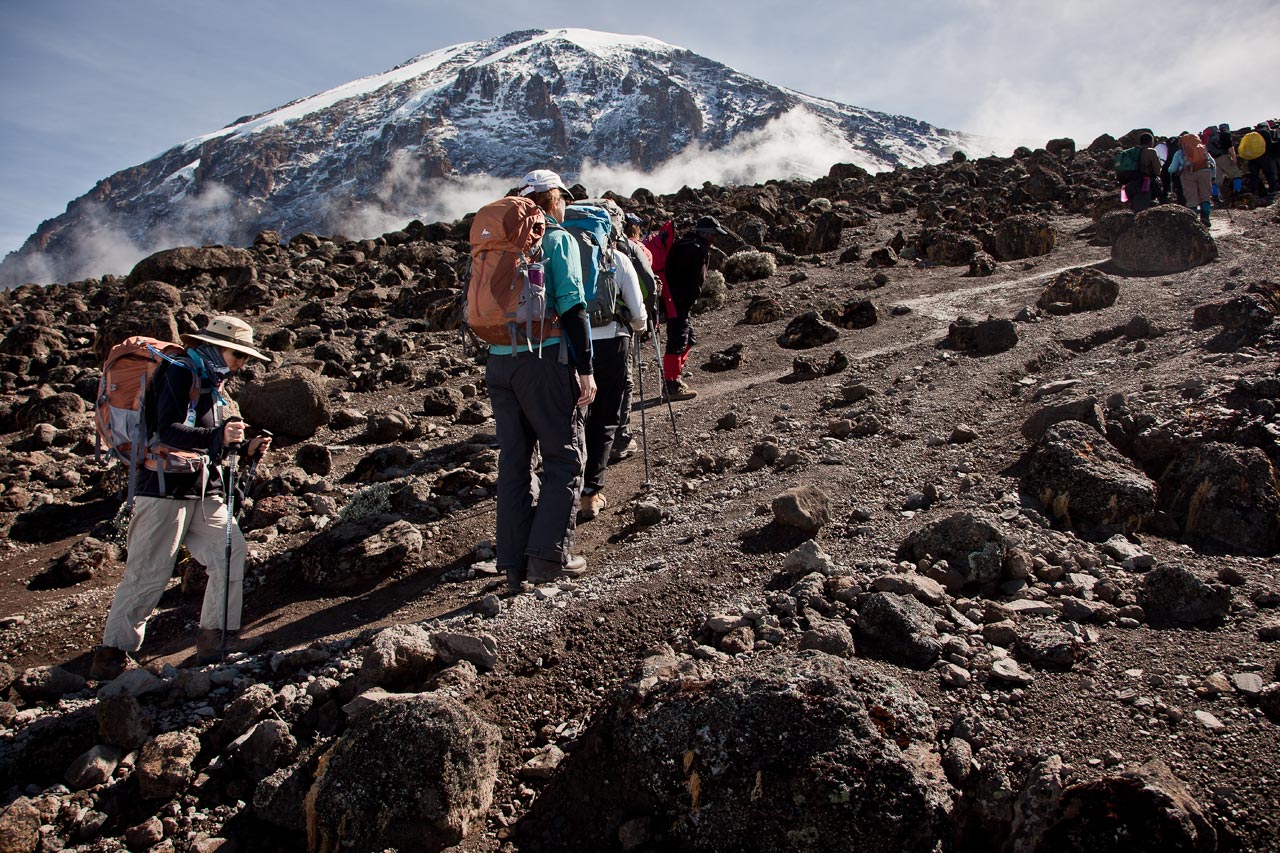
<point>253,470</point>
<point>234,459</point>
<point>670,411</point>
<point>644,431</point>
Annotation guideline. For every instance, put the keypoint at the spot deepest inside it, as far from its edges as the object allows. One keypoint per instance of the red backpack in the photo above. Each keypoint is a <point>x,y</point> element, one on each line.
<point>659,243</point>
<point>1194,155</point>
<point>120,414</point>
<point>503,306</point>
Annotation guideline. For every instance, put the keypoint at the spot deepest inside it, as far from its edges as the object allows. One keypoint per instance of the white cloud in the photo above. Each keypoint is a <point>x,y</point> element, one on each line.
<point>794,145</point>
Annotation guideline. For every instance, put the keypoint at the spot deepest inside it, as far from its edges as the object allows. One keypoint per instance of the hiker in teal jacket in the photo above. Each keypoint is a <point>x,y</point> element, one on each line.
<point>538,392</point>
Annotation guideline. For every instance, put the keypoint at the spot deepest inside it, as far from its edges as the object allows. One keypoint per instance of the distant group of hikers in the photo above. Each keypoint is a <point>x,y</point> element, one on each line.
<point>1201,171</point>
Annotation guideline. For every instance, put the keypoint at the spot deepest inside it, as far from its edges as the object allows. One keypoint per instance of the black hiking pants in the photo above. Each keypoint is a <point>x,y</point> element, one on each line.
<point>609,363</point>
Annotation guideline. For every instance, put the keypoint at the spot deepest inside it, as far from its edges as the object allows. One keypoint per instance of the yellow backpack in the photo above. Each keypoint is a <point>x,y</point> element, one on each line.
<point>1252,146</point>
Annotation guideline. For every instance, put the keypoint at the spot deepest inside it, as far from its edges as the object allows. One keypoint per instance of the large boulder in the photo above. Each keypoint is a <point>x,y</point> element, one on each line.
<point>800,752</point>
<point>807,331</point>
<point>1086,483</point>
<point>1225,496</point>
<point>946,247</point>
<point>899,629</point>
<point>1080,289</point>
<point>1022,236</point>
<point>973,545</point>
<point>825,236</point>
<point>983,337</point>
<point>152,319</point>
<point>1143,810</point>
<point>290,401</point>
<point>34,340</point>
<point>183,266</point>
<point>166,764</point>
<point>350,555</point>
<point>20,823</point>
<point>1086,410</point>
<point>1175,595</point>
<point>804,508</point>
<point>398,656</point>
<point>413,773</point>
<point>1163,239</point>
<point>857,314</point>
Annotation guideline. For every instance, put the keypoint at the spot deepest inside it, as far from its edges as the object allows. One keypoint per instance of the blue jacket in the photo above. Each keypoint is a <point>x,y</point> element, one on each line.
<point>1178,161</point>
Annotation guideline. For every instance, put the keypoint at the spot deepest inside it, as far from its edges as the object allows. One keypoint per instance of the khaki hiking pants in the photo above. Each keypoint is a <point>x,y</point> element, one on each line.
<point>158,528</point>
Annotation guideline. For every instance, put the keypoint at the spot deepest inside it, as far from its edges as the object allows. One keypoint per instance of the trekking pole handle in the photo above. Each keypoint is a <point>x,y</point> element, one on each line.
<point>233,446</point>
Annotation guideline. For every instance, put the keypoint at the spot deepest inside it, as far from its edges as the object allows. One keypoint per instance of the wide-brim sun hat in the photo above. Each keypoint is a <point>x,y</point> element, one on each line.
<point>541,180</point>
<point>230,333</point>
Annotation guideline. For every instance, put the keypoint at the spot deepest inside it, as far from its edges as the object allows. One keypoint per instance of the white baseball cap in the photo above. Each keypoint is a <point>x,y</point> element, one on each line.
<point>541,180</point>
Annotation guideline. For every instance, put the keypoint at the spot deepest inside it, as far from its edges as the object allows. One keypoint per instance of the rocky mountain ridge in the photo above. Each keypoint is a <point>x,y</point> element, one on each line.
<point>967,543</point>
<point>375,153</point>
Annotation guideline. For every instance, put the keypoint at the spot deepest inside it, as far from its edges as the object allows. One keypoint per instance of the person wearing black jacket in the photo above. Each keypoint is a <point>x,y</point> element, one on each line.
<point>183,502</point>
<point>1222,149</point>
<point>686,268</point>
<point>1264,171</point>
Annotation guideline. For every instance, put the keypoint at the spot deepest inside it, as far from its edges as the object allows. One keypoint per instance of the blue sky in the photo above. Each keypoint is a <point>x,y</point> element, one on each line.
<point>91,87</point>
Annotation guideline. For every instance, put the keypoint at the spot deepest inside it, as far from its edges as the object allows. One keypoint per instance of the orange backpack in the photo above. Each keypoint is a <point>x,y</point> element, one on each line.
<point>1194,155</point>
<point>120,414</point>
<point>503,306</point>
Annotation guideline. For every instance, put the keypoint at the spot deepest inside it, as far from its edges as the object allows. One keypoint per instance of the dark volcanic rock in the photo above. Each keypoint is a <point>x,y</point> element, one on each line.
<point>1085,482</point>
<point>1085,410</point>
<point>348,556</point>
<point>946,247</point>
<point>806,746</point>
<point>153,319</point>
<point>436,764</point>
<point>899,629</point>
<point>290,401</point>
<point>987,337</point>
<point>1164,239</point>
<point>1173,594</point>
<point>1146,810</point>
<point>1022,237</point>
<point>1082,289</point>
<point>859,314</point>
<point>825,236</point>
<point>805,508</point>
<point>1226,496</point>
<point>183,266</point>
<point>973,545</point>
<point>762,309</point>
<point>807,331</point>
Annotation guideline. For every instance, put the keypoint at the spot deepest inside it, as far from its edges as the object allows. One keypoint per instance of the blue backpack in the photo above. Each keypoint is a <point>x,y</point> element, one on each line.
<point>592,229</point>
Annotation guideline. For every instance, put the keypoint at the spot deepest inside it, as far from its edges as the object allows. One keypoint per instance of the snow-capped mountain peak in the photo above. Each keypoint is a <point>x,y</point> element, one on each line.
<point>416,141</point>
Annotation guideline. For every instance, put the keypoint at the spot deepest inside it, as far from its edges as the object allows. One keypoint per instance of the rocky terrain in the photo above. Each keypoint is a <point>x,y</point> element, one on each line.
<point>968,542</point>
<point>387,147</point>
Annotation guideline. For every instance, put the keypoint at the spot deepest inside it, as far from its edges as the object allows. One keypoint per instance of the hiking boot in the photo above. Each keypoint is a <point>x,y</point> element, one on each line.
<point>591,506</point>
<point>625,450</point>
<point>109,663</point>
<point>209,645</point>
<point>515,578</point>
<point>675,389</point>
<point>546,571</point>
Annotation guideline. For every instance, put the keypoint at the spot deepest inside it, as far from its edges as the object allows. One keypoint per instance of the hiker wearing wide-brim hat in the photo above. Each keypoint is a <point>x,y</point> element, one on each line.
<point>182,497</point>
<point>230,333</point>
